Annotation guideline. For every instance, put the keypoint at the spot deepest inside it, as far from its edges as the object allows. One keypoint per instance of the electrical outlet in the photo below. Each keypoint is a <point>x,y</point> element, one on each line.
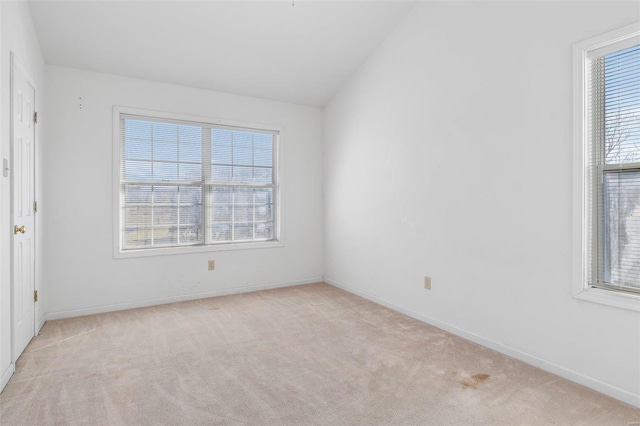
<point>212,265</point>
<point>427,283</point>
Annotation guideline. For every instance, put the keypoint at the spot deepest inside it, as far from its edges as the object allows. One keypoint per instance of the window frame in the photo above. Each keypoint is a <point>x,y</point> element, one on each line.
<point>583,52</point>
<point>118,252</point>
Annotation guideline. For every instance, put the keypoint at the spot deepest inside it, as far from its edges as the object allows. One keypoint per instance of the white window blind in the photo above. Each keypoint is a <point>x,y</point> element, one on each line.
<point>185,183</point>
<point>614,111</point>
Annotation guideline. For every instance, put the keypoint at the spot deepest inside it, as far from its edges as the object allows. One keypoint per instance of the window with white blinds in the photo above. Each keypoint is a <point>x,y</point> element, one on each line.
<point>613,146</point>
<point>185,183</point>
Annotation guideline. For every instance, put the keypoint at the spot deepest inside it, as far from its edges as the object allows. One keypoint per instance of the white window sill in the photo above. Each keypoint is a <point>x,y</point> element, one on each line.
<point>611,298</point>
<point>120,254</point>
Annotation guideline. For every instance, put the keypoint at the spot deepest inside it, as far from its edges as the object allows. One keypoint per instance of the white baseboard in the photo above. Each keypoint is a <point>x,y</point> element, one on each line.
<point>574,376</point>
<point>7,375</point>
<point>164,300</point>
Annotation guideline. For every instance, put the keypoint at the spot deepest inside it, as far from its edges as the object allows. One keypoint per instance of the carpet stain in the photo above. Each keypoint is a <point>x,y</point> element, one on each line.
<point>475,380</point>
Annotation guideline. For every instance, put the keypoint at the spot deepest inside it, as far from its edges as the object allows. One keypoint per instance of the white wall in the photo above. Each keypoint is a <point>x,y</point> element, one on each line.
<point>82,275</point>
<point>17,36</point>
<point>449,154</point>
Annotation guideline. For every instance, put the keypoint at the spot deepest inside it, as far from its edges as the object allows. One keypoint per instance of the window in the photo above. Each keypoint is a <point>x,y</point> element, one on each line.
<point>191,183</point>
<point>608,167</point>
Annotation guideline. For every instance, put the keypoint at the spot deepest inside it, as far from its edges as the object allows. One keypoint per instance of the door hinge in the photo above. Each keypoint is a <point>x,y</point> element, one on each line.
<point>35,207</point>
<point>35,296</point>
<point>35,117</point>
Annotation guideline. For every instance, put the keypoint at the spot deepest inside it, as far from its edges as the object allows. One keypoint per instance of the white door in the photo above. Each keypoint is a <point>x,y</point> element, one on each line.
<point>23,189</point>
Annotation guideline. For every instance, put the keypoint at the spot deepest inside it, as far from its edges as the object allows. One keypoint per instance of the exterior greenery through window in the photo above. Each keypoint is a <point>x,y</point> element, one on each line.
<point>614,113</point>
<point>187,183</point>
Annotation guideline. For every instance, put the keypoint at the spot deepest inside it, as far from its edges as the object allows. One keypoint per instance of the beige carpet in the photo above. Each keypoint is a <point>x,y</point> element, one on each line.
<point>302,355</point>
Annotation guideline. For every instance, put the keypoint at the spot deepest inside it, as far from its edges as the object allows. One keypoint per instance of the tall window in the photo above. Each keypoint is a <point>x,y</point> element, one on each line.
<point>185,183</point>
<point>611,143</point>
<point>616,132</point>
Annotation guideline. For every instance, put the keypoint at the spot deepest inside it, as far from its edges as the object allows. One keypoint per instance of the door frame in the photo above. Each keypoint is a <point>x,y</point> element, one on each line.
<point>16,65</point>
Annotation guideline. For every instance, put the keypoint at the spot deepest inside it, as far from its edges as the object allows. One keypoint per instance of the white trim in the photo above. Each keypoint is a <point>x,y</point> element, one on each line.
<point>580,244</point>
<point>115,182</point>
<point>277,169</point>
<point>196,119</point>
<point>40,323</point>
<point>582,52</point>
<point>196,249</point>
<point>617,299</point>
<point>6,376</point>
<point>602,44</point>
<point>574,376</point>
<point>164,300</point>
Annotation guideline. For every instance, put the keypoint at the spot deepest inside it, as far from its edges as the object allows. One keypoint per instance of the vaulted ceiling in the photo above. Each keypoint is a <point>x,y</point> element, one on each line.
<point>267,49</point>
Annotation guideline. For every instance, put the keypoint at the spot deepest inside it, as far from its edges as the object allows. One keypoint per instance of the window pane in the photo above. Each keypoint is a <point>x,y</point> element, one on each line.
<point>137,170</point>
<point>263,141</point>
<point>165,236</point>
<point>161,151</point>
<point>242,174</point>
<point>221,154</point>
<point>622,106</point>
<point>239,212</point>
<point>242,153</point>
<point>264,196</point>
<point>165,194</point>
<point>242,213</point>
<point>221,137</point>
<point>190,172</point>
<point>222,213</point>
<point>190,215</point>
<point>264,231</point>
<point>138,216</point>
<point>190,235</point>
<point>622,228</point>
<point>170,209</point>
<point>243,195</point>
<point>190,134</point>
<point>263,212</point>
<point>262,175</point>
<point>165,132</point>
<point>165,171</point>
<point>250,153</point>
<point>138,149</point>
<point>137,194</point>
<point>190,143</point>
<point>167,151</point>
<point>165,215</point>
<point>161,215</point>
<point>136,237</point>
<point>243,232</point>
<point>221,173</point>
<point>138,129</point>
<point>190,151</point>
<point>262,157</point>
<point>222,195</point>
<point>221,232</point>
<point>191,195</point>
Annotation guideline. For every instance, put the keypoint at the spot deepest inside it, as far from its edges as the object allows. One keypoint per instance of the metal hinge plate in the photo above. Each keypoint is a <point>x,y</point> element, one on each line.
<point>35,207</point>
<point>35,117</point>
<point>35,296</point>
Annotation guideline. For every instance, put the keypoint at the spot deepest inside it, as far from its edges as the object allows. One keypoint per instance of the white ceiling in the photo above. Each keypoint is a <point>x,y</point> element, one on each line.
<point>267,49</point>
